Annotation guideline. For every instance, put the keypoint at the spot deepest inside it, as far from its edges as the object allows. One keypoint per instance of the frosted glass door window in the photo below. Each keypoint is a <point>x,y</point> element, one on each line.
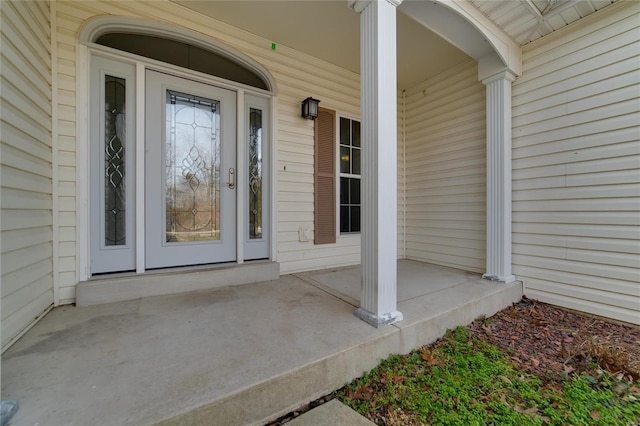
<point>255,173</point>
<point>115,199</point>
<point>192,194</point>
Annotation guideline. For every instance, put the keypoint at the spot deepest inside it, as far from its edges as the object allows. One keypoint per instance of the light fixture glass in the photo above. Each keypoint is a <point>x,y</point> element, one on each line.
<point>310,108</point>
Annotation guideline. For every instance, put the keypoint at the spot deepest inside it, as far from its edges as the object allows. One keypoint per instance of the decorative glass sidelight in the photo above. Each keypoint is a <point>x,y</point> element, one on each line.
<point>255,173</point>
<point>192,168</point>
<point>114,161</point>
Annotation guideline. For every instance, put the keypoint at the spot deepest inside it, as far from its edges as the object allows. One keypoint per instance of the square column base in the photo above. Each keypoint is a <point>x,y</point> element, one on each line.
<point>507,279</point>
<point>378,321</point>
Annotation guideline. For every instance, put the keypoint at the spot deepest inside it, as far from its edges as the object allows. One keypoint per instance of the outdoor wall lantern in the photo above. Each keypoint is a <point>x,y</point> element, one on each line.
<point>310,108</point>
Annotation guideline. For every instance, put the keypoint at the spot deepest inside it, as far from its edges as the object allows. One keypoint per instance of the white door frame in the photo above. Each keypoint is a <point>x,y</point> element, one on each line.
<point>85,52</point>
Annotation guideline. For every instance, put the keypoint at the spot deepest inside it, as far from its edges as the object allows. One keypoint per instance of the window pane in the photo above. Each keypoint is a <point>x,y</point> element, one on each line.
<point>183,55</point>
<point>354,191</point>
<point>344,190</point>
<point>355,140</point>
<point>192,168</point>
<point>355,219</point>
<point>344,131</point>
<point>345,160</point>
<point>255,173</point>
<point>355,161</point>
<point>344,218</point>
<point>114,161</point>
<point>349,186</point>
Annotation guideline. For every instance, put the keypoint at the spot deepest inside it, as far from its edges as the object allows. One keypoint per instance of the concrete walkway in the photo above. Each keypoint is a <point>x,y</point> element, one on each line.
<point>331,414</point>
<point>232,356</point>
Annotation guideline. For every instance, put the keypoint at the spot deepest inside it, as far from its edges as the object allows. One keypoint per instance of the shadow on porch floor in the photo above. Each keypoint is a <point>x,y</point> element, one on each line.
<point>236,355</point>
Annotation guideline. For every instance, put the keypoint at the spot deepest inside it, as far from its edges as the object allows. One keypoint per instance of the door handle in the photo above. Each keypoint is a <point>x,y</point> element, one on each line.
<point>232,178</point>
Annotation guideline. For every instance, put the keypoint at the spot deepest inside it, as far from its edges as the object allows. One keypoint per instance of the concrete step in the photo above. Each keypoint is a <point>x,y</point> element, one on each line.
<point>239,355</point>
<point>121,287</point>
<point>425,321</point>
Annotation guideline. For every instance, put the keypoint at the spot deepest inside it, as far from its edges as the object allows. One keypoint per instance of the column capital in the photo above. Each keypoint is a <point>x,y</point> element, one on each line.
<point>360,5</point>
<point>502,75</point>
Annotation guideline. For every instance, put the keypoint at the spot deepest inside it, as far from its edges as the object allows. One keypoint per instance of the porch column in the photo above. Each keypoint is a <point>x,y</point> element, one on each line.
<point>499,177</point>
<point>378,89</point>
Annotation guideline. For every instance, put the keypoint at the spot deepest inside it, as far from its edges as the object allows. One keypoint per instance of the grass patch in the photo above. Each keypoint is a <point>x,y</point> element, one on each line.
<point>463,380</point>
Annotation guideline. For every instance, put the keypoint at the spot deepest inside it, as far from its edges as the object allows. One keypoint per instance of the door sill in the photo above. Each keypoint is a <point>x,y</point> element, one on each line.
<point>159,282</point>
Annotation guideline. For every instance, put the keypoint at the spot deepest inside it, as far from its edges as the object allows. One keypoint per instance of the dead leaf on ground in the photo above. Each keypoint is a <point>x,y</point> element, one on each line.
<point>521,410</point>
<point>362,393</point>
<point>430,358</point>
<point>506,379</point>
<point>398,379</point>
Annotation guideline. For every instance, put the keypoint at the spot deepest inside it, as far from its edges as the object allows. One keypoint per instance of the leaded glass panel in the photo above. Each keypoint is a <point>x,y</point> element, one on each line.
<point>192,168</point>
<point>114,161</point>
<point>255,173</point>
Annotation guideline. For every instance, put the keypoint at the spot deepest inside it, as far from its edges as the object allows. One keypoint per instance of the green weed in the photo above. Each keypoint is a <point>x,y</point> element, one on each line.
<point>463,380</point>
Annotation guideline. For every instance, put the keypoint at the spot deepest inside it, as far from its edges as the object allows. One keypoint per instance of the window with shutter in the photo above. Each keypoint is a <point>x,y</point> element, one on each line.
<point>325,177</point>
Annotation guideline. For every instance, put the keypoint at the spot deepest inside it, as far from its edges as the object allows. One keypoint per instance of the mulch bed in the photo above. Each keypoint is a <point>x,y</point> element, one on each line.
<point>553,342</point>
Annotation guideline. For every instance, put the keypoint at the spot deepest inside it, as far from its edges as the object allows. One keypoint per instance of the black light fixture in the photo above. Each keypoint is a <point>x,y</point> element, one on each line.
<point>310,108</point>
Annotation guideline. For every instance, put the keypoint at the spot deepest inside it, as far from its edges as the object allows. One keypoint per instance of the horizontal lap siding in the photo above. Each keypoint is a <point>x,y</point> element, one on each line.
<point>402,223</point>
<point>26,162</point>
<point>446,170</point>
<point>297,75</point>
<point>576,166</point>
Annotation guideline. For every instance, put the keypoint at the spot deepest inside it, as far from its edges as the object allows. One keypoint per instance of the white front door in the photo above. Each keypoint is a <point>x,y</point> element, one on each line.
<point>184,208</point>
<point>190,168</point>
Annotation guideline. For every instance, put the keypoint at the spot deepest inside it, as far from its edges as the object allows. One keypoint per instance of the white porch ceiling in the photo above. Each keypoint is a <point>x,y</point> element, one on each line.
<point>528,20</point>
<point>329,29</point>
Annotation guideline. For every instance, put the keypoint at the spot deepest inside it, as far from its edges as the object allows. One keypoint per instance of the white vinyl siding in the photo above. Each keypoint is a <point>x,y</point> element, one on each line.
<point>25,153</point>
<point>576,166</point>
<point>401,175</point>
<point>297,75</point>
<point>446,170</point>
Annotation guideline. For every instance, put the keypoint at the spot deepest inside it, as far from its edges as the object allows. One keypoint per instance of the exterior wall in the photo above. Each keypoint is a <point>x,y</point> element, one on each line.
<point>402,196</point>
<point>576,174</point>
<point>298,76</point>
<point>446,170</point>
<point>25,153</point>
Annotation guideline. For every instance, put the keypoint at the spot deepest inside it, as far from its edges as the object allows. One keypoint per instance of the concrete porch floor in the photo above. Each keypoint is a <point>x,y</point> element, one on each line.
<point>236,355</point>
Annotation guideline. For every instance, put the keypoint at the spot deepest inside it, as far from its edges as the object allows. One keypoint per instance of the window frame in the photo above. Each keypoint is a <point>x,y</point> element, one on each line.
<point>340,175</point>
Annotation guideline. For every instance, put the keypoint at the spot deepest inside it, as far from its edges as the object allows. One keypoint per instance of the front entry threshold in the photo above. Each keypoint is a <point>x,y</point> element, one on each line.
<point>117,289</point>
